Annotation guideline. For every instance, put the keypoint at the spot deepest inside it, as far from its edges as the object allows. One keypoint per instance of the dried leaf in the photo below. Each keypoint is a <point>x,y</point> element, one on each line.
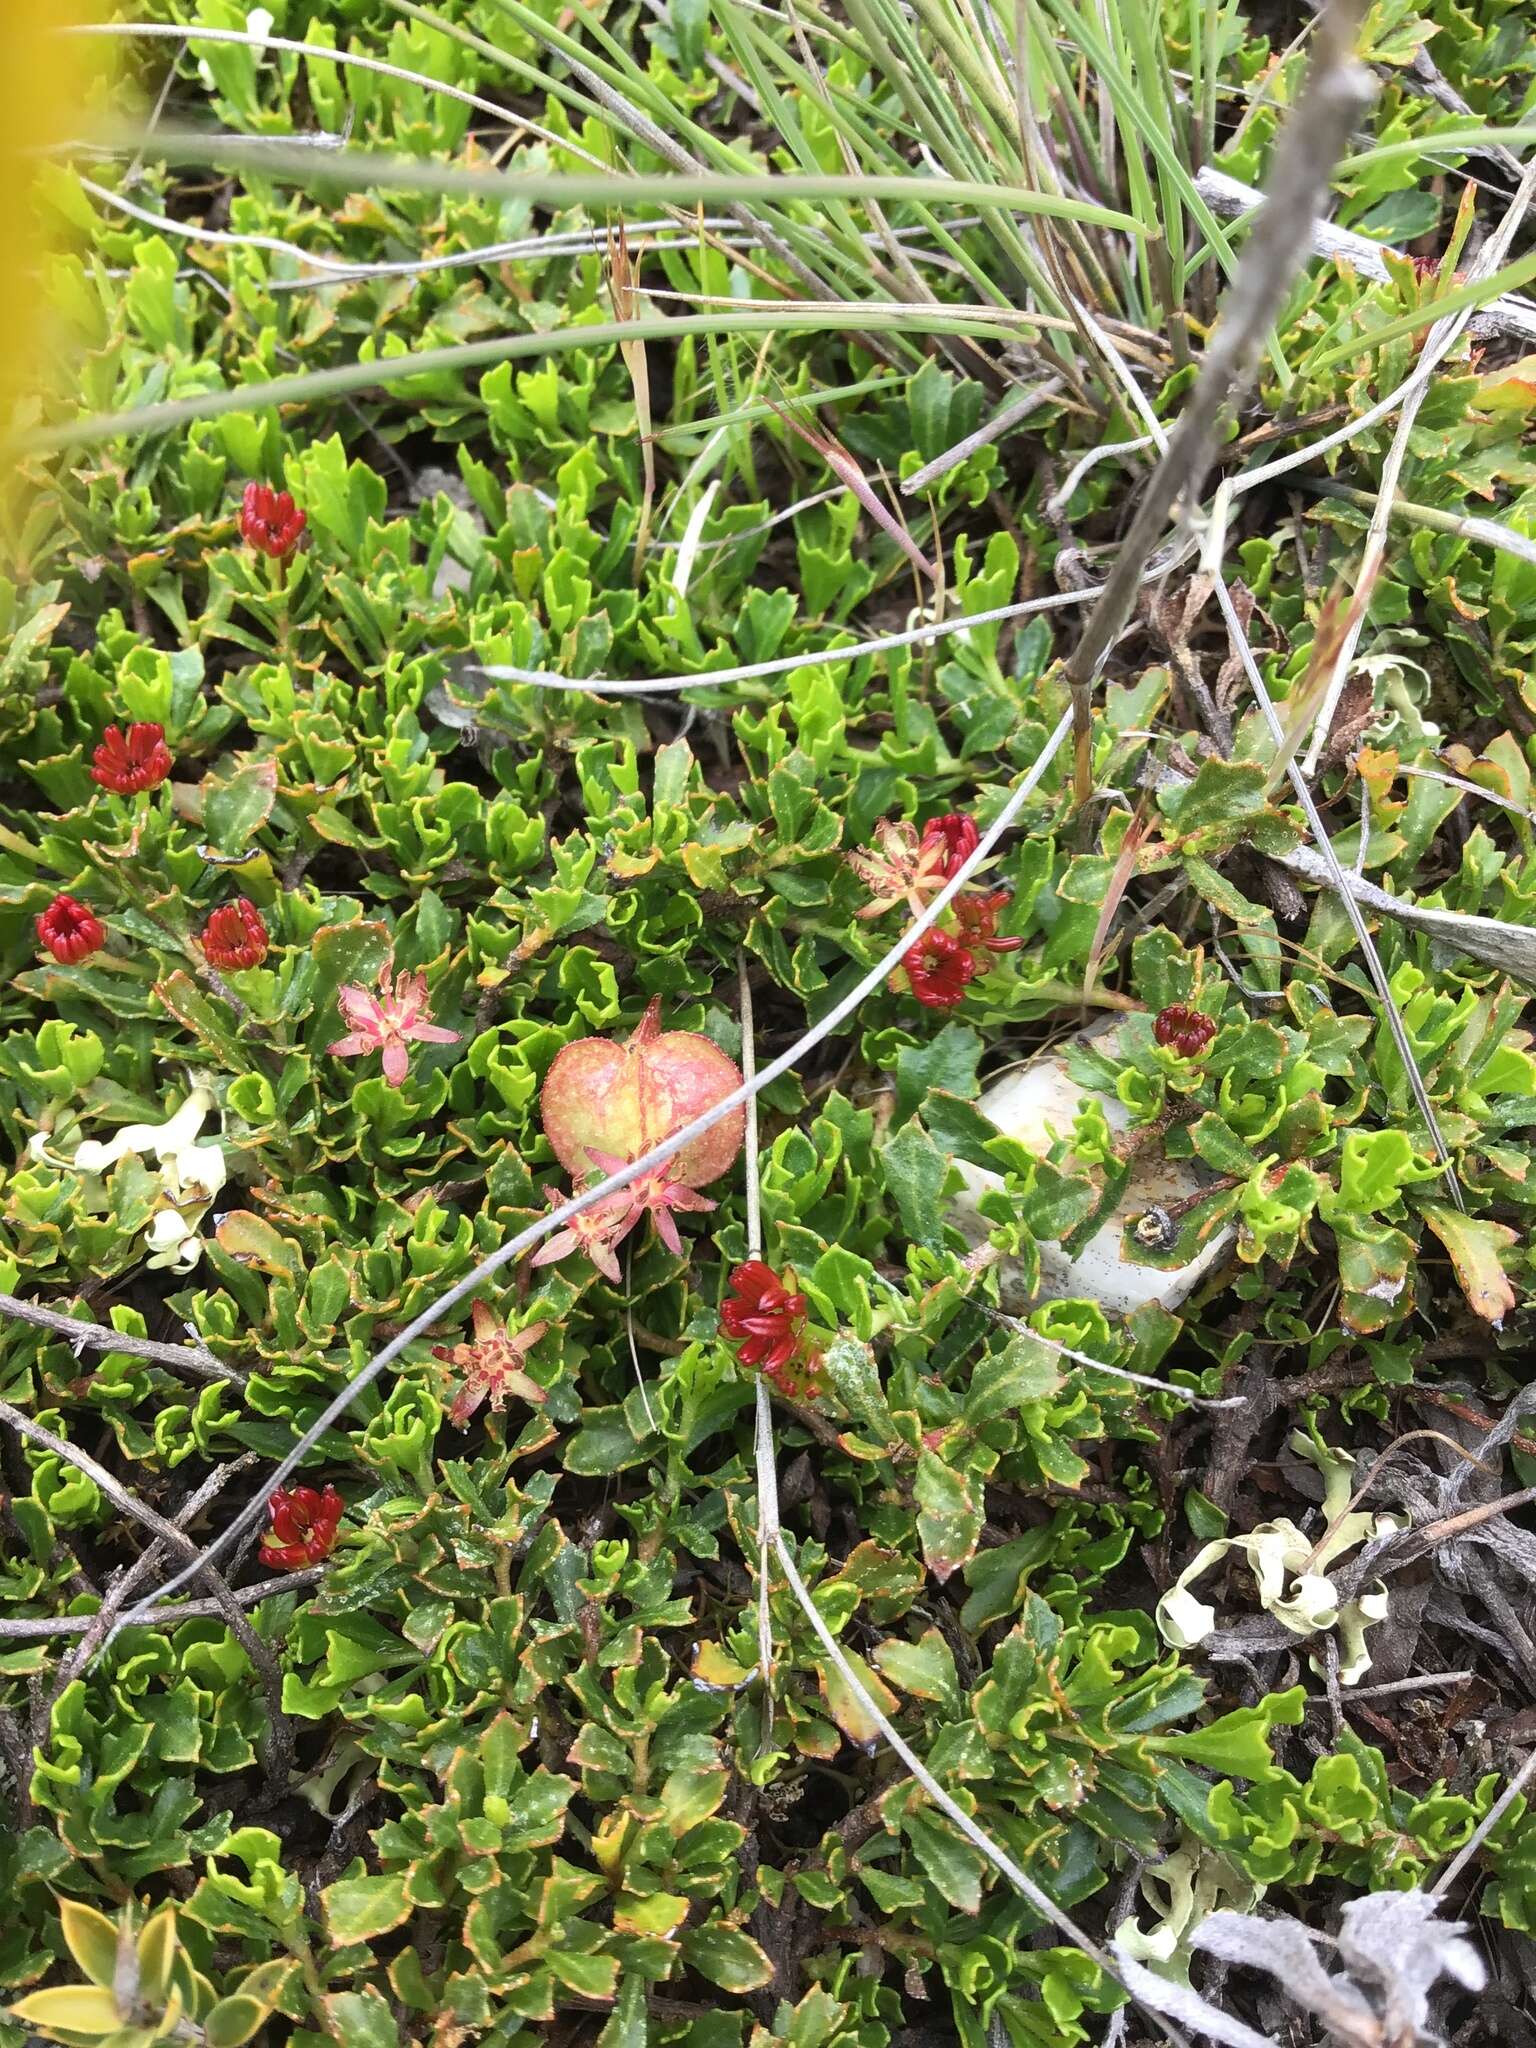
<point>1182,2003</point>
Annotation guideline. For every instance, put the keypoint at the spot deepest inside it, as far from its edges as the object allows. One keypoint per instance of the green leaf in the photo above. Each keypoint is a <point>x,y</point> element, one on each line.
<point>727,1957</point>
<point>1005,1381</point>
<point>1375,1167</point>
<point>1222,793</point>
<point>925,1669</point>
<point>352,954</point>
<point>915,1170</point>
<point>627,2026</point>
<point>948,1061</point>
<point>358,1908</point>
<point>952,1865</point>
<point>949,1515</point>
<point>855,1377</point>
<point>605,1443</point>
<point>1239,1743</point>
<point>235,807</point>
<point>361,2019</point>
<point>591,1976</point>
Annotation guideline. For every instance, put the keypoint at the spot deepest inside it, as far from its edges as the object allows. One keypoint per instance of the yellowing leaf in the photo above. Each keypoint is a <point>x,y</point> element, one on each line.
<point>716,1668</point>
<point>72,2009</point>
<point>157,1952</point>
<point>91,1939</point>
<point>1474,1245</point>
<point>845,1706</point>
<point>662,1913</point>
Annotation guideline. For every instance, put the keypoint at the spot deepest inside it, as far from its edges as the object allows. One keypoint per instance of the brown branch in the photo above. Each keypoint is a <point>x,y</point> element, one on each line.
<point>100,1623</point>
<point>30,1629</point>
<point>97,1337</point>
<point>278,1745</point>
<point>1337,90</point>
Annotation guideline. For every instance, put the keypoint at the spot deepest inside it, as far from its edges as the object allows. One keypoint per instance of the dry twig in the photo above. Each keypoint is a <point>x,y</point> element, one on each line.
<point>1337,90</point>
<point>97,1337</point>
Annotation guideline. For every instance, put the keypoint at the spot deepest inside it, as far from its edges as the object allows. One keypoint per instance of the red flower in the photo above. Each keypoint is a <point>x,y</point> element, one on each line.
<point>304,1525</point>
<point>956,835</point>
<point>938,968</point>
<point>234,935</point>
<point>801,1379</point>
<point>977,919</point>
<point>141,760</point>
<point>70,931</point>
<point>270,522</point>
<point>764,1316</point>
<point>1187,1031</point>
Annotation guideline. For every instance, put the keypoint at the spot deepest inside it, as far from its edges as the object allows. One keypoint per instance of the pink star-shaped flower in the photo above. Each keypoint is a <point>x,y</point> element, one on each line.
<point>655,1194</point>
<point>492,1364</point>
<point>386,1022</point>
<point>595,1232</point>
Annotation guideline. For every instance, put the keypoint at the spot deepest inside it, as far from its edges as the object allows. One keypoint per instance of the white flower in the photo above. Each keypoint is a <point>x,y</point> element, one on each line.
<point>179,1130</point>
<point>1182,1620</point>
<point>192,1171</point>
<point>1290,1572</point>
<point>172,1241</point>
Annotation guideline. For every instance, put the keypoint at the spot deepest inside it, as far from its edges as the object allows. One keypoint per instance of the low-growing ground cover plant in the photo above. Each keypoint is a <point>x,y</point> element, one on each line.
<point>486,676</point>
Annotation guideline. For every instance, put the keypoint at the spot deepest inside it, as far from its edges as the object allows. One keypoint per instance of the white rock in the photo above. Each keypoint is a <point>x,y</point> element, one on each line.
<point>1037,1104</point>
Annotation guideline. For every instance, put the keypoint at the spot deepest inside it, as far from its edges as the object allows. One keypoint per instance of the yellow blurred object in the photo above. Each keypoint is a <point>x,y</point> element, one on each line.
<point>43,95</point>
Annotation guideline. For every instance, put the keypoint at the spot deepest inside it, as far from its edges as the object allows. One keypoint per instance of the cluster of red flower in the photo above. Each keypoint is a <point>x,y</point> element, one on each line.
<point>304,1526</point>
<point>234,935</point>
<point>766,1318</point>
<point>910,870</point>
<point>1183,1030</point>
<point>942,964</point>
<point>270,522</point>
<point>131,761</point>
<point>125,763</point>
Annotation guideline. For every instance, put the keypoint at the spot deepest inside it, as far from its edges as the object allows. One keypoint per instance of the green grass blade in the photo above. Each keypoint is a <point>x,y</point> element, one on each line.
<point>358,169</point>
<point>345,378</point>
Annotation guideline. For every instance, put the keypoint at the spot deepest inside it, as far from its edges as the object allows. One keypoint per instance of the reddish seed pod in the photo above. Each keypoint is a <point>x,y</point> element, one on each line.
<point>70,931</point>
<point>1183,1030</point>
<point>131,761</point>
<point>602,1099</point>
<point>234,936</point>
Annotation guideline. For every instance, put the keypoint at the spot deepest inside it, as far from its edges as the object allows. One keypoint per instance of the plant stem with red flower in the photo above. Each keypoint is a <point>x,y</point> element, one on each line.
<point>271,522</point>
<point>765,1318</point>
<point>910,869</point>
